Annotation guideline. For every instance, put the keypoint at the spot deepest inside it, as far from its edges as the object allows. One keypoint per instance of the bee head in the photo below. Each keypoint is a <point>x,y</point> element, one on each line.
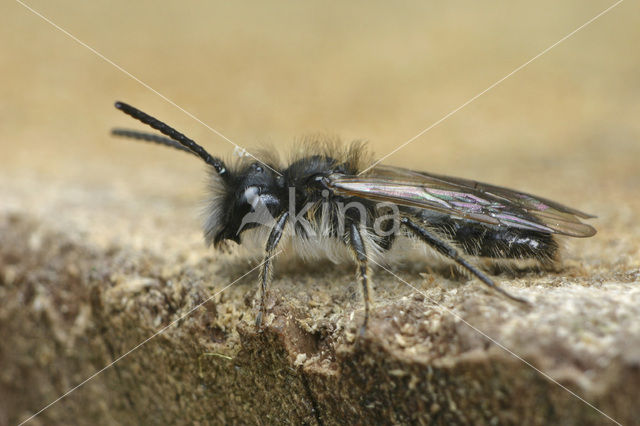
<point>248,198</point>
<point>240,200</point>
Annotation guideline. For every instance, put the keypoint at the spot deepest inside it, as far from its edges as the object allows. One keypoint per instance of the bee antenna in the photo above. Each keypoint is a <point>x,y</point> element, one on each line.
<point>149,137</point>
<point>172,133</point>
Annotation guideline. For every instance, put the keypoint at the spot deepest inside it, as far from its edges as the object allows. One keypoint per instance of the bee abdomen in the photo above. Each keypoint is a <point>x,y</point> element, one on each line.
<point>502,243</point>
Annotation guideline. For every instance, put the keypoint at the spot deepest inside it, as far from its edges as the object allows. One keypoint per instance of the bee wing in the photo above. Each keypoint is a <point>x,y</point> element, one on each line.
<point>467,199</point>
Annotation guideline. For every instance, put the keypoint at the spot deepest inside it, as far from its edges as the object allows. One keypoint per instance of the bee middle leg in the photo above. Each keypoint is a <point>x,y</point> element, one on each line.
<point>265,272</point>
<point>445,249</point>
<point>356,244</point>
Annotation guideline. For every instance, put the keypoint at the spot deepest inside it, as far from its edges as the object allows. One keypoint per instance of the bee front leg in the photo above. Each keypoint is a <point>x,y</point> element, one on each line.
<point>266,271</point>
<point>358,247</point>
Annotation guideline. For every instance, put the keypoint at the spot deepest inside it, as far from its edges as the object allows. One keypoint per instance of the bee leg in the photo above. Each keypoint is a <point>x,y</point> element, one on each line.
<point>266,270</point>
<point>452,253</point>
<point>357,245</point>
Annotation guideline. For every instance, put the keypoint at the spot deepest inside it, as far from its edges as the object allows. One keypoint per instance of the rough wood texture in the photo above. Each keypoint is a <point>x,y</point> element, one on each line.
<point>100,245</point>
<point>69,308</point>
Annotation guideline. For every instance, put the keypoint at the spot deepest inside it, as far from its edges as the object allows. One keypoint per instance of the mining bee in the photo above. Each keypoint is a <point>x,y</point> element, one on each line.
<point>324,205</point>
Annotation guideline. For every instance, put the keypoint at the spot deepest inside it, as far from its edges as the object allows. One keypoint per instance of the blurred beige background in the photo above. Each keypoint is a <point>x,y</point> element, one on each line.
<point>565,127</point>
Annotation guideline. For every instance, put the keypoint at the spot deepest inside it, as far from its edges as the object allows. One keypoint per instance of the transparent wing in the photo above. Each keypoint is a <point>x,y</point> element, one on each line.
<point>464,198</point>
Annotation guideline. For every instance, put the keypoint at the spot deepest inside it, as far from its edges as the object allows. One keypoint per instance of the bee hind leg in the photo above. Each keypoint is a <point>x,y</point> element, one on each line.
<point>442,247</point>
